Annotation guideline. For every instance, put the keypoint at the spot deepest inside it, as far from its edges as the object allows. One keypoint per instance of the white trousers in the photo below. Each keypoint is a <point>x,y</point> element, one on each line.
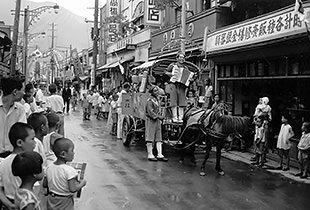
<point>120,124</point>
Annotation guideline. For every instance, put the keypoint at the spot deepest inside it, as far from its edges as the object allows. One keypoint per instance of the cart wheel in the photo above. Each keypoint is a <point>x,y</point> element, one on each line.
<point>127,135</point>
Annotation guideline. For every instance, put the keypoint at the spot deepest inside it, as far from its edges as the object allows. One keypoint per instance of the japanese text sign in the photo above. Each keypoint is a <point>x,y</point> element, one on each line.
<point>273,26</point>
<point>113,28</point>
<point>152,16</point>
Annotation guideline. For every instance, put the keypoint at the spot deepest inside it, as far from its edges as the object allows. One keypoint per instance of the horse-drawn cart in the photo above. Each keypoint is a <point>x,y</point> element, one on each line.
<point>133,107</point>
<point>133,104</point>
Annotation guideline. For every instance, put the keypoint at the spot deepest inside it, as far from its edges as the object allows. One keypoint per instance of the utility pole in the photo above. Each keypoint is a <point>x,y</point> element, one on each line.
<point>52,53</point>
<point>183,26</point>
<point>25,47</point>
<point>95,46</point>
<point>15,37</point>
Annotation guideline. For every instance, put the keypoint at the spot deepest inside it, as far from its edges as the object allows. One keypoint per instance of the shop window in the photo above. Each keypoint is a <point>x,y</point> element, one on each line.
<point>260,69</point>
<point>178,12</point>
<point>227,71</point>
<point>282,67</point>
<point>234,69</point>
<point>252,69</point>
<point>221,71</point>
<point>206,4</point>
<point>242,70</point>
<point>273,68</point>
<point>305,65</point>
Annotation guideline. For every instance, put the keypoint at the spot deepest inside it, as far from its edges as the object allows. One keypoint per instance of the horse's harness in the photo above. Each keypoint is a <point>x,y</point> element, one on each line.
<point>208,129</point>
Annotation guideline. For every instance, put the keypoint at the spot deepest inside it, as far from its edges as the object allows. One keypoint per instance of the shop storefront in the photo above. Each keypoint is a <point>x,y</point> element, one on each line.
<point>166,43</point>
<point>265,56</point>
<point>125,54</point>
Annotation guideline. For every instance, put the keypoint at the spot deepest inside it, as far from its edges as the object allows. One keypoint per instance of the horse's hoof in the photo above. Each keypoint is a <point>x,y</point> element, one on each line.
<point>202,173</point>
<point>221,173</point>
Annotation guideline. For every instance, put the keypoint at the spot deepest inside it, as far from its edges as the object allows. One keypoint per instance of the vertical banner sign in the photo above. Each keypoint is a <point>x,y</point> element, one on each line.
<point>153,16</point>
<point>85,60</point>
<point>113,28</point>
<point>76,62</point>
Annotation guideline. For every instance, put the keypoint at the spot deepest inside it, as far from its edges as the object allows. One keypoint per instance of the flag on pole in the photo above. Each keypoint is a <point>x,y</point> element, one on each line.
<point>121,67</point>
<point>303,13</point>
<point>299,8</point>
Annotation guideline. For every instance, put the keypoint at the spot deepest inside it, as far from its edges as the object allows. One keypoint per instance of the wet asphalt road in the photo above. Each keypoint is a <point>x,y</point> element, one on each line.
<point>122,178</point>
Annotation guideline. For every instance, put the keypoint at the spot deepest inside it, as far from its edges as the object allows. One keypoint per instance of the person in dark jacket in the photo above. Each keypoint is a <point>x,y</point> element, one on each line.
<point>66,95</point>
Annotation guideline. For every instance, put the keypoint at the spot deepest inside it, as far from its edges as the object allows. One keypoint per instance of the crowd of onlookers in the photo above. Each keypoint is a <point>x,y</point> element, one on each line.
<point>262,118</point>
<point>33,148</point>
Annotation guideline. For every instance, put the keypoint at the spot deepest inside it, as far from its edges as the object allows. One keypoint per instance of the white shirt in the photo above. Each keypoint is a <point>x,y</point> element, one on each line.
<point>50,155</point>
<point>40,149</point>
<point>208,91</point>
<point>55,102</point>
<point>119,101</point>
<point>8,181</point>
<point>39,96</point>
<point>15,114</point>
<point>284,136</point>
<point>58,177</point>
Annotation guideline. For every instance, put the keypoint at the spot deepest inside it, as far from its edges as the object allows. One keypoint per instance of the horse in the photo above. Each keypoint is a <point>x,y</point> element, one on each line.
<point>214,127</point>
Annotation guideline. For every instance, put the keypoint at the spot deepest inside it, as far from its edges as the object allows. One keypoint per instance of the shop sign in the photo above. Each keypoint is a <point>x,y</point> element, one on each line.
<point>173,33</point>
<point>152,16</point>
<point>123,43</point>
<point>273,26</point>
<point>113,28</point>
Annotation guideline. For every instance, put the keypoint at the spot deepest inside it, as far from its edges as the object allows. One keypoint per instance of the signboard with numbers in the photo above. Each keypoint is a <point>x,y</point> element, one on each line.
<point>152,16</point>
<point>273,26</point>
<point>113,9</point>
<point>134,104</point>
<point>80,167</point>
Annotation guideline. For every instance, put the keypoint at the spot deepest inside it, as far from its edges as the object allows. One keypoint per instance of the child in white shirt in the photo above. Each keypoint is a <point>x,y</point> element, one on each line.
<point>61,178</point>
<point>283,144</point>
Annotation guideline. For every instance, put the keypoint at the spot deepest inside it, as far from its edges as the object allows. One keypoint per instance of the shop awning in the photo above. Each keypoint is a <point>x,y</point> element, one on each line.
<point>145,65</point>
<point>159,66</point>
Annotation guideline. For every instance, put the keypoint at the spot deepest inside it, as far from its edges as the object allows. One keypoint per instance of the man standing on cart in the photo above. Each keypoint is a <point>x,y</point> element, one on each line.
<point>153,132</point>
<point>180,76</point>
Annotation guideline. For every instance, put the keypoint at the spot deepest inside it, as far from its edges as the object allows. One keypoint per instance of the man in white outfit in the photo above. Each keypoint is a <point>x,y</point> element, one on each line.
<point>125,89</point>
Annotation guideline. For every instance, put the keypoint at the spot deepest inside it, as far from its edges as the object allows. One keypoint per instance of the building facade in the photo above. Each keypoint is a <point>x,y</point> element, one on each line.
<point>268,55</point>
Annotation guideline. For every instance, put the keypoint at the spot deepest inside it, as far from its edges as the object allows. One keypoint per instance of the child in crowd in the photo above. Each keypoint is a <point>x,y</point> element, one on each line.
<point>27,105</point>
<point>259,140</point>
<point>40,125</point>
<point>114,113</point>
<point>263,109</point>
<point>48,141</point>
<point>28,167</point>
<point>105,106</point>
<point>61,178</point>
<point>304,151</point>
<point>21,137</point>
<point>56,104</point>
<point>283,144</point>
<point>191,100</point>
<point>85,105</point>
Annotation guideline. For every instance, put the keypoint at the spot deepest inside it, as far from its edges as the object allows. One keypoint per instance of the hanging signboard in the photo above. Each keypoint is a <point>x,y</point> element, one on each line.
<point>277,25</point>
<point>76,62</point>
<point>113,9</point>
<point>153,16</point>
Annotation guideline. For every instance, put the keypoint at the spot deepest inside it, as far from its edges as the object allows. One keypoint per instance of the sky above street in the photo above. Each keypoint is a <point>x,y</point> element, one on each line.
<point>78,7</point>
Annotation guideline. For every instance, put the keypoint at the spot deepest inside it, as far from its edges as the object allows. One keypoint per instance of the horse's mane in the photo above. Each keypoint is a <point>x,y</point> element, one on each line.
<point>230,124</point>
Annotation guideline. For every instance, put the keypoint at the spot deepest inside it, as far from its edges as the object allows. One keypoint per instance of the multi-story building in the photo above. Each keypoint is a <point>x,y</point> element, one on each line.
<point>264,51</point>
<point>126,40</point>
<point>5,47</point>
